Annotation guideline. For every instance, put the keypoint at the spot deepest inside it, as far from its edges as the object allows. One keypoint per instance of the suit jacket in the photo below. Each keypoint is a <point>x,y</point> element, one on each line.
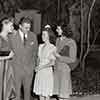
<point>25,55</point>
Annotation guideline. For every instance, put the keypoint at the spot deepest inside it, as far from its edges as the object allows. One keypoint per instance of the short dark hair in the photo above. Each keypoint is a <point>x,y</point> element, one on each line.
<point>52,37</point>
<point>25,20</point>
<point>67,31</point>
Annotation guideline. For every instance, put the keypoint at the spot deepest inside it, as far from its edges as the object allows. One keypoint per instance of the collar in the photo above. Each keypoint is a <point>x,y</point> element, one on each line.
<point>62,38</point>
<point>22,34</point>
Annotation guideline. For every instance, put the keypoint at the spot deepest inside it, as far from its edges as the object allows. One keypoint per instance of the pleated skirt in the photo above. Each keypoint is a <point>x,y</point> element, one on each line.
<point>43,84</point>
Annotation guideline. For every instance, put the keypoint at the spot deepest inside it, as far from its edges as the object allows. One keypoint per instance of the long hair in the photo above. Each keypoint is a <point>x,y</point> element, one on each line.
<point>52,37</point>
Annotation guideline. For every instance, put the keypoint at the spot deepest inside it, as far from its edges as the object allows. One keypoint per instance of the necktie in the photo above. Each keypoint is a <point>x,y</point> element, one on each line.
<point>24,39</point>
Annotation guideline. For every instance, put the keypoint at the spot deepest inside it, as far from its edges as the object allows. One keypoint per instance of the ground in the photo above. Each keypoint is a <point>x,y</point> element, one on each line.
<point>92,97</point>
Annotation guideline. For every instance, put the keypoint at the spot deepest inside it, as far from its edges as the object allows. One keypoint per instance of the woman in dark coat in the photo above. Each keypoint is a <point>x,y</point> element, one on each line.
<point>67,49</point>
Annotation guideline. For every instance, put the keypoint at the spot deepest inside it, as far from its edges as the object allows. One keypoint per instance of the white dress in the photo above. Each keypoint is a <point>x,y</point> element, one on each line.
<point>44,78</point>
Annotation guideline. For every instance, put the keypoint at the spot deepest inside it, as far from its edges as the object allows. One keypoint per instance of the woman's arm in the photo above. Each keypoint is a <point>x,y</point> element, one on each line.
<point>37,64</point>
<point>7,57</point>
<point>11,54</point>
<point>51,63</point>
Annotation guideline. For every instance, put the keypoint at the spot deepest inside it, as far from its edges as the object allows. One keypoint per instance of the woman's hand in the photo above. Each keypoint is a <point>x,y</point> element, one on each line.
<point>56,54</point>
<point>11,54</point>
<point>36,69</point>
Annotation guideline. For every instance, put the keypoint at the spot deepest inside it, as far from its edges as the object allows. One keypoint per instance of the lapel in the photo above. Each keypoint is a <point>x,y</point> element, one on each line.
<point>17,41</point>
<point>30,40</point>
<point>20,42</point>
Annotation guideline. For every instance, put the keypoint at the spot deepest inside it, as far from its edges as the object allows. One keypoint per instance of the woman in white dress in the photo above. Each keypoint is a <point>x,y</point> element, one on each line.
<point>43,85</point>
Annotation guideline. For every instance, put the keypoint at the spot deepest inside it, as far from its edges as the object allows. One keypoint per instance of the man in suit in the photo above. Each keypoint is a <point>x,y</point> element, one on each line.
<point>24,43</point>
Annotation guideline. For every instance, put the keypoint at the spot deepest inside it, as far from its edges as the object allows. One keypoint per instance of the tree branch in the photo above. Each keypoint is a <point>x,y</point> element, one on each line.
<point>88,37</point>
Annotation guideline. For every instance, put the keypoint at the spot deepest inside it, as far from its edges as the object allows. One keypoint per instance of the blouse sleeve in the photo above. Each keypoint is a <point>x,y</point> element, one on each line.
<point>39,53</point>
<point>39,50</point>
<point>73,50</point>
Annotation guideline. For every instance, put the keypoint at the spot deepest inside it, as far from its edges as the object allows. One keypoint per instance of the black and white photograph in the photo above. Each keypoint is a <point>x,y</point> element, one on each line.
<point>49,50</point>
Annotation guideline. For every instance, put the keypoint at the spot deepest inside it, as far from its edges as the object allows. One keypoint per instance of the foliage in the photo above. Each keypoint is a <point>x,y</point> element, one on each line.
<point>8,7</point>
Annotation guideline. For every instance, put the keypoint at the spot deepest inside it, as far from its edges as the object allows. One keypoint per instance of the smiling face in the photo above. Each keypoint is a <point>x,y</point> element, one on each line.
<point>7,26</point>
<point>25,27</point>
<point>45,36</point>
<point>10,27</point>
